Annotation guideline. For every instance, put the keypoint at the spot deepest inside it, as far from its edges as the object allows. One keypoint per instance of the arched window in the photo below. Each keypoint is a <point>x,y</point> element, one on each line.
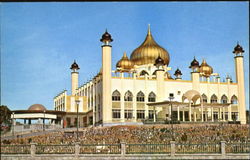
<point>204,98</point>
<point>143,73</point>
<point>116,96</point>
<point>140,97</point>
<point>223,99</point>
<point>128,96</point>
<point>151,97</point>
<point>213,99</point>
<point>234,100</point>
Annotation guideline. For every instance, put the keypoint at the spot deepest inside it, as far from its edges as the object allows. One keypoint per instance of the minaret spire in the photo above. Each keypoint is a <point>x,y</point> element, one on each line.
<point>124,54</point>
<point>149,32</point>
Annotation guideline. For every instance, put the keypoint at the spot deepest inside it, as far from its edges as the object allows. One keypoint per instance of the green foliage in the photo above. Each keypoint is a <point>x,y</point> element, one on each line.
<point>5,115</point>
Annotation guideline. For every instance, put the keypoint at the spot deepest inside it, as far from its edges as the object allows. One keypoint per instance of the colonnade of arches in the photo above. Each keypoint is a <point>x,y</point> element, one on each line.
<point>140,97</point>
<point>128,96</point>
<point>223,99</point>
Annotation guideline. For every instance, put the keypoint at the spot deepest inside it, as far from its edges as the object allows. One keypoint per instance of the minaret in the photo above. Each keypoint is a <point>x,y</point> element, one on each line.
<point>195,75</point>
<point>106,78</point>
<point>177,74</point>
<point>159,63</point>
<point>74,77</point>
<point>239,68</point>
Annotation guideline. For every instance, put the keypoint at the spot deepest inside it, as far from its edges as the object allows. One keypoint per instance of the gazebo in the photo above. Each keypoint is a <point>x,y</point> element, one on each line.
<point>35,117</point>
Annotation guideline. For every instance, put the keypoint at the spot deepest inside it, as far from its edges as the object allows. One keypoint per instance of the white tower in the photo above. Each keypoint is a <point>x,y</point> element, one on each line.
<point>159,63</point>
<point>239,68</point>
<point>195,75</point>
<point>74,77</point>
<point>106,78</point>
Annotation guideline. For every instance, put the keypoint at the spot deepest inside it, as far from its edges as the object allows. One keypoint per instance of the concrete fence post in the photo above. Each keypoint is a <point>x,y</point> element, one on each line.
<point>32,149</point>
<point>123,148</point>
<point>172,146</point>
<point>77,149</point>
<point>223,148</point>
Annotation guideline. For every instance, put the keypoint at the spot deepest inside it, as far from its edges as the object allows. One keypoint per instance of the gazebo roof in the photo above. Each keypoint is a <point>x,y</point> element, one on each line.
<point>191,95</point>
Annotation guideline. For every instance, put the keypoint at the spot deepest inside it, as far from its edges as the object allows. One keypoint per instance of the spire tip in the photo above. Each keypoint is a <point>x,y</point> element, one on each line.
<point>149,32</point>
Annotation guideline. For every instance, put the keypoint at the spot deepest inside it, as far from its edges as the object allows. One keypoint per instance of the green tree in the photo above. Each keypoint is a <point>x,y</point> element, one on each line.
<point>5,116</point>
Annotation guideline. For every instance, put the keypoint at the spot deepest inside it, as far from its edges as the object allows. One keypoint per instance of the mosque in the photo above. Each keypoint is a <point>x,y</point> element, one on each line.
<point>141,90</point>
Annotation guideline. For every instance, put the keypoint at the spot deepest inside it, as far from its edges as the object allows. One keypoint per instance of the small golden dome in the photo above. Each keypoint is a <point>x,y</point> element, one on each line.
<point>148,52</point>
<point>37,107</point>
<point>205,69</point>
<point>124,64</point>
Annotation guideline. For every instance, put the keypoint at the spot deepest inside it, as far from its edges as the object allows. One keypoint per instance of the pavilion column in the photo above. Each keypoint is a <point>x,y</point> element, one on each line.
<point>13,125</point>
<point>224,113</point>
<point>206,116</point>
<point>39,120</point>
<point>62,123</point>
<point>195,116</point>
<point>212,113</point>
<point>190,112</point>
<point>14,122</point>
<point>183,116</point>
<point>154,115</point>
<point>202,118</point>
<point>178,113</point>
<point>169,111</point>
<point>219,113</point>
<point>229,113</point>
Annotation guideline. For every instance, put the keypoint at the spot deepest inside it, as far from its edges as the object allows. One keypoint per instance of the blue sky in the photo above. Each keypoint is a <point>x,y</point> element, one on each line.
<point>39,41</point>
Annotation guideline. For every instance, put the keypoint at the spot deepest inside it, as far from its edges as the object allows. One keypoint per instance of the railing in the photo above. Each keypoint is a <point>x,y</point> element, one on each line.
<point>100,149</point>
<point>35,127</point>
<point>122,149</point>
<point>15,149</point>
<point>238,147</point>
<point>197,148</point>
<point>55,149</point>
<point>148,148</point>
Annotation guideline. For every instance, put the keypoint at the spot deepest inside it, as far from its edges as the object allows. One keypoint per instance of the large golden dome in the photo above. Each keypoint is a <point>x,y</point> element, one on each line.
<point>205,69</point>
<point>148,52</point>
<point>124,64</point>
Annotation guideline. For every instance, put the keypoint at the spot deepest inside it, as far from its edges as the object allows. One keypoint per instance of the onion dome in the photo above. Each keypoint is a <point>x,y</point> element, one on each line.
<point>194,63</point>
<point>37,107</point>
<point>205,69</point>
<point>106,37</point>
<point>238,49</point>
<point>124,64</point>
<point>148,52</point>
<point>74,66</point>
<point>177,72</point>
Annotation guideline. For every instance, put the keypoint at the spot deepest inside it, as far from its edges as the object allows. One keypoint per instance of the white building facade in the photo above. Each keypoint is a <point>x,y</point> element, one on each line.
<point>141,89</point>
